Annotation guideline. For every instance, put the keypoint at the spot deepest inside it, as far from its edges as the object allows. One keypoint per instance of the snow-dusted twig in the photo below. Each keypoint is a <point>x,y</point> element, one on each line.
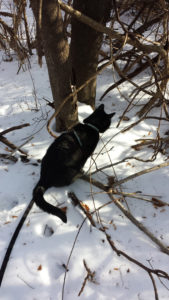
<point>146,231</point>
<point>30,286</point>
<point>67,264</point>
<point>155,168</point>
<point>7,156</point>
<point>154,286</point>
<point>153,199</point>
<point>76,201</point>
<point>23,144</point>
<point>5,141</point>
<point>157,272</point>
<point>90,276</point>
<point>14,128</point>
<point>127,213</point>
<point>119,162</point>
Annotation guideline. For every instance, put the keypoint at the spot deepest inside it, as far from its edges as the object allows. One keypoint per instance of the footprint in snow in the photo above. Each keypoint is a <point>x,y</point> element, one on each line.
<point>48,231</point>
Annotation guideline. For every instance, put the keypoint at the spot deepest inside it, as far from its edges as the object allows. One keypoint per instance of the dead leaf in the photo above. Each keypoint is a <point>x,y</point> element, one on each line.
<point>7,149</point>
<point>157,202</point>
<point>39,268</point>
<point>85,206</point>
<point>64,209</point>
<point>7,222</point>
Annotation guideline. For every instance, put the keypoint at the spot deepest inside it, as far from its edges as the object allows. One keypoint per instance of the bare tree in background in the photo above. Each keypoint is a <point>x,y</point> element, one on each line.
<point>85,45</point>
<point>83,60</point>
<point>136,39</point>
<point>50,26</point>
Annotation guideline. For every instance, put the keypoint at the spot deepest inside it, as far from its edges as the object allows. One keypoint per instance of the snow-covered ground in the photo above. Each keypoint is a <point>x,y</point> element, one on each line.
<point>36,269</point>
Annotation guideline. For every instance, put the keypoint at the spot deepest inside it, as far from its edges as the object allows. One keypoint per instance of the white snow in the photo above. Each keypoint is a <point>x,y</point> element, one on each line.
<point>36,266</point>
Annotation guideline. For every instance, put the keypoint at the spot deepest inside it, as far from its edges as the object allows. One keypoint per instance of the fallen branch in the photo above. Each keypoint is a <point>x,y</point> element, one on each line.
<point>98,184</point>
<point>147,142</point>
<point>76,201</point>
<point>14,128</point>
<point>155,168</point>
<point>7,142</point>
<point>153,200</point>
<point>11,145</point>
<point>120,162</point>
<point>115,201</point>
<point>7,156</point>
<point>157,272</point>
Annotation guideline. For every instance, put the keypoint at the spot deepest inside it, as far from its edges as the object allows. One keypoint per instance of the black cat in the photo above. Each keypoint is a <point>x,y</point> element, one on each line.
<point>67,155</point>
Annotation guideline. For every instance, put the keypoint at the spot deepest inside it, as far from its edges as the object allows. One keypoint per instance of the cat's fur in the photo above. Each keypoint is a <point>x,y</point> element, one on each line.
<point>67,155</point>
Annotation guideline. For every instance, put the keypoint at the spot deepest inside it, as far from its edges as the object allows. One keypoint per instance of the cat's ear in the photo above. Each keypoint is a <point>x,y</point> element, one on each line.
<point>100,107</point>
<point>112,114</point>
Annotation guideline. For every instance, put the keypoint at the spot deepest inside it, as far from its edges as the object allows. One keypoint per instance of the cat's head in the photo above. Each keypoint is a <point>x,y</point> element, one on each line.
<point>100,119</point>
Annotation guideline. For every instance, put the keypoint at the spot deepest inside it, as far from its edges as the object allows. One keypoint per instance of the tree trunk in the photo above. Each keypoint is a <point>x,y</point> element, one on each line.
<point>56,51</point>
<point>85,45</point>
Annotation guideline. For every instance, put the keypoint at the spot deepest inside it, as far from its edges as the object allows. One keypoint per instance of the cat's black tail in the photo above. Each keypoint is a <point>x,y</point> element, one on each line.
<point>44,205</point>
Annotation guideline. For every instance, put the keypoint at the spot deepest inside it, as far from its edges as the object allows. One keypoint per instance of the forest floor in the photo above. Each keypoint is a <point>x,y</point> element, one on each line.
<point>52,260</point>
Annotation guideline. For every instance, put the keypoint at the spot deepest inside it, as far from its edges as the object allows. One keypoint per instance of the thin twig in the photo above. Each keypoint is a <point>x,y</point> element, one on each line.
<point>71,252</point>
<point>76,201</point>
<point>14,128</point>
<point>112,33</point>
<point>154,286</point>
<point>127,213</point>
<point>5,141</point>
<point>90,276</point>
<point>155,168</point>
<point>73,94</point>
<point>157,272</point>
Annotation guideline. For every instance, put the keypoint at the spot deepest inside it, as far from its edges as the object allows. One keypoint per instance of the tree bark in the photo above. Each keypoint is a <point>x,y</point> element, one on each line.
<point>85,45</point>
<point>56,51</point>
